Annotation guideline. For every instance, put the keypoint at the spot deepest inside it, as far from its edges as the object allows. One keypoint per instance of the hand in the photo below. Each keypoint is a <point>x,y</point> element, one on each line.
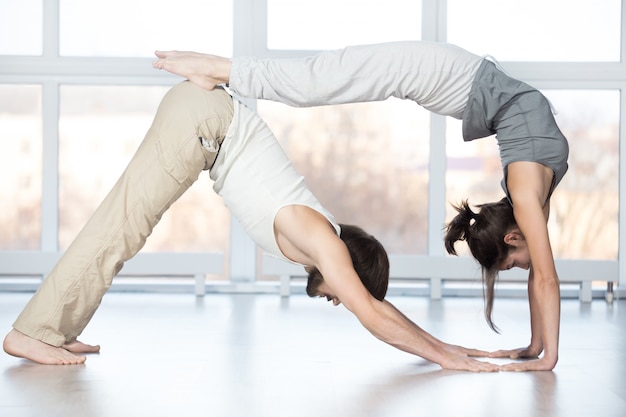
<point>542,364</point>
<point>529,352</point>
<point>459,358</point>
<point>204,70</point>
<point>464,363</point>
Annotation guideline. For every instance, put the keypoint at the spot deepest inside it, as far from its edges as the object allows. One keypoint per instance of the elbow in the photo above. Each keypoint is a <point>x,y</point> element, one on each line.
<point>544,281</point>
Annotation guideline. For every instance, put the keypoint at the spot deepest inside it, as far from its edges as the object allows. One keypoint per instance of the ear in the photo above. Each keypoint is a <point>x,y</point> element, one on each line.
<point>513,238</point>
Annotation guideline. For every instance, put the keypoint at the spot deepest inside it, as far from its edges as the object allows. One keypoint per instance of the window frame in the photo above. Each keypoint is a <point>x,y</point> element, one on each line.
<point>250,38</point>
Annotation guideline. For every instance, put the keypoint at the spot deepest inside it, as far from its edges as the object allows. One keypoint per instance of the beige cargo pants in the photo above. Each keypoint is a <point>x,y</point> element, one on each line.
<point>167,162</point>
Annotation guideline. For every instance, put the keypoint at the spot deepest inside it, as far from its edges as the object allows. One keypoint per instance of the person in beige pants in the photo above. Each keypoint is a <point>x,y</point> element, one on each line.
<point>195,130</point>
<point>167,162</point>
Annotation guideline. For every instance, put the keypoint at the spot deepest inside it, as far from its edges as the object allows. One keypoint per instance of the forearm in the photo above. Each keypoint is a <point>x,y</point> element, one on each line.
<point>418,330</point>
<point>536,341</point>
<point>353,74</point>
<point>392,327</point>
<point>546,294</point>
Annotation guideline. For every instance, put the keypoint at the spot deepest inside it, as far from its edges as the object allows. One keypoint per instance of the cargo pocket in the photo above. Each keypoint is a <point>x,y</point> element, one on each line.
<point>171,164</point>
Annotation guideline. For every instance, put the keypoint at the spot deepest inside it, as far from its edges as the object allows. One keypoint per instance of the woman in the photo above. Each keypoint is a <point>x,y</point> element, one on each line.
<point>450,81</point>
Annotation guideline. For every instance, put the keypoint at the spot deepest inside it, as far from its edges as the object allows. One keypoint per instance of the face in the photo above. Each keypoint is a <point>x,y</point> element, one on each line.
<point>316,286</point>
<point>324,290</point>
<point>518,257</point>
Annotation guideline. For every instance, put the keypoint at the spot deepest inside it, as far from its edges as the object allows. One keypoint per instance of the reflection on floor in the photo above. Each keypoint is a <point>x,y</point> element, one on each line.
<point>260,355</point>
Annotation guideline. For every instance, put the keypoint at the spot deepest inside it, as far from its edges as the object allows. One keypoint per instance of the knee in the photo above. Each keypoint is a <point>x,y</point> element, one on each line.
<point>181,95</point>
<point>186,101</point>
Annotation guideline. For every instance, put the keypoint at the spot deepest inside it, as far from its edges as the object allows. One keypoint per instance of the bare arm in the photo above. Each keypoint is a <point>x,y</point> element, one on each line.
<point>529,185</point>
<point>306,237</point>
<point>536,342</point>
<point>385,322</point>
<point>453,349</point>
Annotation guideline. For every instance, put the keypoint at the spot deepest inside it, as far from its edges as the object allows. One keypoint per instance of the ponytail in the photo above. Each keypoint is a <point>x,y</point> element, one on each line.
<point>459,227</point>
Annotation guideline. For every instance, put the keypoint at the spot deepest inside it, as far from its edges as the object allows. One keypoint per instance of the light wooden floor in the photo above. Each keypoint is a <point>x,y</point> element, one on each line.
<point>260,355</point>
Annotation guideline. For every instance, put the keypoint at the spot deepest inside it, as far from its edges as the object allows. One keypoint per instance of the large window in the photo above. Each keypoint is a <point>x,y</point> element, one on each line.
<point>137,28</point>
<point>77,94</point>
<point>20,167</point>
<point>331,24</point>
<point>83,86</point>
<point>21,27</point>
<point>367,163</point>
<point>537,30</point>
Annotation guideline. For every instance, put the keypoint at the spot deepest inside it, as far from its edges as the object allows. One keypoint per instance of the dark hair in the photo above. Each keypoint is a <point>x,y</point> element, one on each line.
<point>369,260</point>
<point>484,232</point>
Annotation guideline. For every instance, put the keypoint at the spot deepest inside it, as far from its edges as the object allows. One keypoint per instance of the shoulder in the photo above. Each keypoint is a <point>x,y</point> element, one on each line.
<point>529,182</point>
<point>303,233</point>
<point>304,217</point>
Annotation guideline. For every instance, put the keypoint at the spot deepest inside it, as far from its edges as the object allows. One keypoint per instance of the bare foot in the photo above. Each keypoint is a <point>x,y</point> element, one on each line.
<point>22,346</point>
<point>204,70</point>
<point>79,347</point>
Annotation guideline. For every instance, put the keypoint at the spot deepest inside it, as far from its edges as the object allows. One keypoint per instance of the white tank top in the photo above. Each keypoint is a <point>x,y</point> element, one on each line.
<point>256,179</point>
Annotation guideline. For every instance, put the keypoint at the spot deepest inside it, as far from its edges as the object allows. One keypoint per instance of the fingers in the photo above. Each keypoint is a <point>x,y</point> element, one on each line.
<point>179,54</point>
<point>480,366</point>
<point>488,367</point>
<point>460,350</point>
<point>500,354</point>
<point>513,367</point>
<point>476,353</point>
<point>513,354</point>
<point>167,54</point>
<point>463,363</point>
<point>535,365</point>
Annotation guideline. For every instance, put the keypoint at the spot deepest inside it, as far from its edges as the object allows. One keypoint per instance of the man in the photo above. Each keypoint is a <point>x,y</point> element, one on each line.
<point>194,130</point>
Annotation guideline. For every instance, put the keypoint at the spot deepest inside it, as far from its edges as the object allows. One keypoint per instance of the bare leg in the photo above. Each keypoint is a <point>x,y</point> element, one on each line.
<point>22,346</point>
